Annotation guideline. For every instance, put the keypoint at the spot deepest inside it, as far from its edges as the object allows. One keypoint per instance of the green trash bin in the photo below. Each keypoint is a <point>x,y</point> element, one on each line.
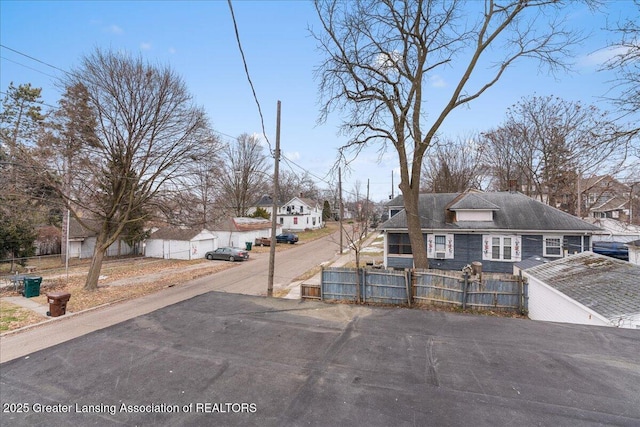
<point>32,286</point>
<point>248,245</point>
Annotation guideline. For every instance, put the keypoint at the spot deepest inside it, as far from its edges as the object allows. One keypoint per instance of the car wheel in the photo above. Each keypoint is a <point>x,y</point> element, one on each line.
<point>231,258</point>
<point>209,257</point>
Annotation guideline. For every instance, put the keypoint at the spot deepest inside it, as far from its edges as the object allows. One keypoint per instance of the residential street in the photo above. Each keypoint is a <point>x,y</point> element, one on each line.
<point>249,278</point>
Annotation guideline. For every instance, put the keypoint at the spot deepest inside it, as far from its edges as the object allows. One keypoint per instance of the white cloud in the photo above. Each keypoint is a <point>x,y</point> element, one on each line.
<point>292,155</point>
<point>600,57</point>
<point>437,81</point>
<point>114,29</point>
<point>145,46</point>
<point>172,50</point>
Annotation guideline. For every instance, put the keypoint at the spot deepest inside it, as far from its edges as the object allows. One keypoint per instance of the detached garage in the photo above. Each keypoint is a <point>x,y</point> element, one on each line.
<point>180,243</point>
<point>585,288</point>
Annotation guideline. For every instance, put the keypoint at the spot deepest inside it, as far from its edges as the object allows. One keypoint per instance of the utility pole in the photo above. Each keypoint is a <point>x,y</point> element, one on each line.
<point>366,210</point>
<point>392,184</point>
<point>341,210</point>
<point>274,208</point>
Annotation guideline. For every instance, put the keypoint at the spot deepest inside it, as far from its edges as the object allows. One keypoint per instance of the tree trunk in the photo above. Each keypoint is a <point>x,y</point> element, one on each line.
<point>418,247</point>
<point>96,263</point>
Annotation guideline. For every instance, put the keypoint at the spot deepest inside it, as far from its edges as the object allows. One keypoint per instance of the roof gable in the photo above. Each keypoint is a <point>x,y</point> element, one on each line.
<point>302,200</point>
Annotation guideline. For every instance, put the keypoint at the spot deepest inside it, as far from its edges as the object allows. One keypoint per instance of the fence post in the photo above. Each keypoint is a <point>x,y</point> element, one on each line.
<point>364,285</point>
<point>321,283</point>
<point>464,290</point>
<point>520,292</point>
<point>408,277</point>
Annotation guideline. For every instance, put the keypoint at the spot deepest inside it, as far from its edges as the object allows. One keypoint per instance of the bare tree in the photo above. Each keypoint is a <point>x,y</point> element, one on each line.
<point>625,91</point>
<point>294,184</point>
<point>147,130</point>
<point>380,56</point>
<point>72,126</point>
<point>453,166</point>
<point>195,193</point>
<point>552,143</point>
<point>244,175</point>
<point>625,64</point>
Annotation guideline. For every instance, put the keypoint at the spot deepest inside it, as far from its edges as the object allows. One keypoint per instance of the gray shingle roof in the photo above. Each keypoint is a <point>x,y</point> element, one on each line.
<point>474,201</point>
<point>176,233</point>
<point>516,212</point>
<point>606,285</point>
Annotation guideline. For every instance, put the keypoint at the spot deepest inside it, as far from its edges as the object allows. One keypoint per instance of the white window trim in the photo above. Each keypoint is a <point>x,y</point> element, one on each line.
<point>544,247</point>
<point>448,244</point>
<point>487,249</point>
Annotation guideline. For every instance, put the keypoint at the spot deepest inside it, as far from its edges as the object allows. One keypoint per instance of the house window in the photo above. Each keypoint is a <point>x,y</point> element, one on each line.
<point>281,221</point>
<point>399,244</point>
<point>295,220</point>
<point>301,208</point>
<point>552,246</point>
<point>440,246</point>
<point>501,248</point>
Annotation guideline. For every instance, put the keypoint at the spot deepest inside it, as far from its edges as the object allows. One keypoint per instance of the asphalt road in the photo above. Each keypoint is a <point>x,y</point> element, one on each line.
<point>229,359</point>
<point>249,278</point>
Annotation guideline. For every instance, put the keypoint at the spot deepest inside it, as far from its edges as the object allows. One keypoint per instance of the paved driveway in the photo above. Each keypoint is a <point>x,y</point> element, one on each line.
<point>228,359</point>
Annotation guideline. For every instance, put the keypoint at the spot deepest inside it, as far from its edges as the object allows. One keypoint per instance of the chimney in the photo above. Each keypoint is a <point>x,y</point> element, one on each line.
<point>513,186</point>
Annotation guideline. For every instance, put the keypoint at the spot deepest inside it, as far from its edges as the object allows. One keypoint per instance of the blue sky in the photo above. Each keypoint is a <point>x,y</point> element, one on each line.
<point>197,40</point>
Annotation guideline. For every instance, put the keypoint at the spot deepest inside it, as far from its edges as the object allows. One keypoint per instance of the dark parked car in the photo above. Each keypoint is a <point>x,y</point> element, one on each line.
<point>228,253</point>
<point>613,249</point>
<point>287,238</point>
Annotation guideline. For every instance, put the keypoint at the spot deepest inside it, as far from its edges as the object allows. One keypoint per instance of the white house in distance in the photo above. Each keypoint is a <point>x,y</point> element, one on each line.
<point>300,214</point>
<point>586,288</point>
<point>297,214</point>
<point>180,243</point>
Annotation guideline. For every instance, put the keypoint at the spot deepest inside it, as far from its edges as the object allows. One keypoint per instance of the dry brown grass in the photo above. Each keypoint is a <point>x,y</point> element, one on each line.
<point>127,279</point>
<point>13,317</point>
<point>121,282</point>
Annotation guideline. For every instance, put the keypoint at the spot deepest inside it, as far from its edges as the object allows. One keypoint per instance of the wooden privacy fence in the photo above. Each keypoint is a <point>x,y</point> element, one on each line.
<point>482,292</point>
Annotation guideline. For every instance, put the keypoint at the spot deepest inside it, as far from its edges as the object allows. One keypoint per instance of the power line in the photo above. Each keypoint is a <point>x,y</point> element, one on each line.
<point>26,66</point>
<point>34,59</point>
<point>246,69</point>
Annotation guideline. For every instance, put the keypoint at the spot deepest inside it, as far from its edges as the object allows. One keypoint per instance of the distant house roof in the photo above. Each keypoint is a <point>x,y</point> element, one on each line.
<point>176,233</point>
<point>614,230</point>
<point>305,200</point>
<point>77,231</point>
<point>265,201</point>
<point>606,285</point>
<point>612,204</point>
<point>512,211</point>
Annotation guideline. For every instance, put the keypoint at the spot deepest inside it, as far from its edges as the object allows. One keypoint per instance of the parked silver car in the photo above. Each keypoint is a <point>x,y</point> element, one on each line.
<point>228,253</point>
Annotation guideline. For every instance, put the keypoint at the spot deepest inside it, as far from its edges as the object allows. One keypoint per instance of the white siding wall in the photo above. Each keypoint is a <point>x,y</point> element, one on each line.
<point>547,304</point>
<point>474,215</point>
<point>634,255</point>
